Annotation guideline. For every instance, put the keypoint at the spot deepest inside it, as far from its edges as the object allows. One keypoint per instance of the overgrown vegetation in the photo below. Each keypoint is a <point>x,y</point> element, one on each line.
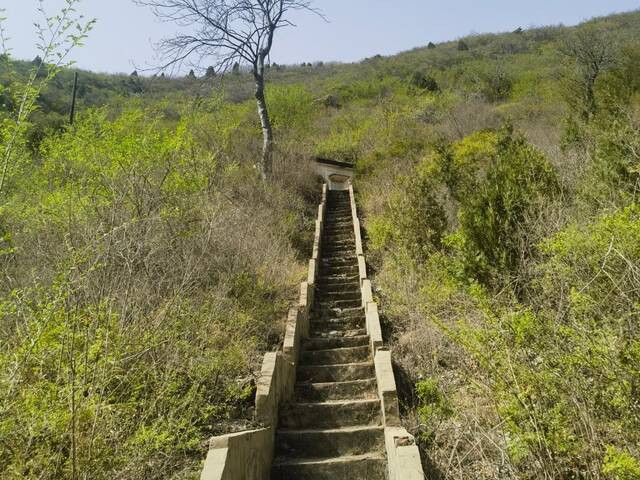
<point>507,257</point>
<point>146,268</point>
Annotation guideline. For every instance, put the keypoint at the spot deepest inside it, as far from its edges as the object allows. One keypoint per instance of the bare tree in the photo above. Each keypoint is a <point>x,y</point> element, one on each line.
<point>230,32</point>
<point>592,53</point>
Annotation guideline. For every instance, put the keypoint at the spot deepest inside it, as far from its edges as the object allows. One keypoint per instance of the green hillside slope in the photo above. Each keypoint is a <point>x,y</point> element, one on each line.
<point>145,268</point>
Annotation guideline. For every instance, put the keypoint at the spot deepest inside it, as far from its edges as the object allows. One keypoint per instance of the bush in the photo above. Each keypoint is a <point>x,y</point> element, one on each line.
<point>433,407</point>
<point>149,269</point>
<point>493,216</point>
<point>414,219</point>
<point>496,86</point>
<point>424,82</point>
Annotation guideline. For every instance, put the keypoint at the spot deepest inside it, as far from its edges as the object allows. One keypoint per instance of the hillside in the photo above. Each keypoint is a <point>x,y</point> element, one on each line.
<point>146,269</point>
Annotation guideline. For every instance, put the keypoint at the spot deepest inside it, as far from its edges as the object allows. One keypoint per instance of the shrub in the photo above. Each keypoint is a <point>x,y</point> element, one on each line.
<point>414,220</point>
<point>496,85</point>
<point>424,82</point>
<point>433,407</point>
<point>493,217</point>
<point>149,268</point>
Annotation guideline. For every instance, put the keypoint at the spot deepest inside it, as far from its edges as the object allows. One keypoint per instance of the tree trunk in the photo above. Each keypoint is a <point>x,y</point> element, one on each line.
<point>266,162</point>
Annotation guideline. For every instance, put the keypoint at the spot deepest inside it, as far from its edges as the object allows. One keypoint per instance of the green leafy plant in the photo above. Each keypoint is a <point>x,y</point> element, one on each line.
<point>57,37</point>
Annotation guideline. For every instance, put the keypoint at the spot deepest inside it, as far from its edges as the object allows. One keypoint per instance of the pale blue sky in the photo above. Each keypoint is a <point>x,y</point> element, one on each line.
<point>124,34</point>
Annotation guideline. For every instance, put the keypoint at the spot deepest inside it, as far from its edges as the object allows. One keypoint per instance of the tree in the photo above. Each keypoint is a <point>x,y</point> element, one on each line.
<point>462,46</point>
<point>230,32</point>
<point>431,46</point>
<point>57,36</point>
<point>211,72</point>
<point>424,82</point>
<point>191,75</point>
<point>592,53</point>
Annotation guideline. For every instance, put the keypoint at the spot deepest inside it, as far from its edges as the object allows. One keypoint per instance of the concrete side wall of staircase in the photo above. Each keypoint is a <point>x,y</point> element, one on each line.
<point>327,400</point>
<point>403,456</point>
<point>249,455</point>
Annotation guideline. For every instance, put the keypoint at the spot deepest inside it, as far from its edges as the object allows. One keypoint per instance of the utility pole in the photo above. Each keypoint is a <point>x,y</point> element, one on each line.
<point>72,111</point>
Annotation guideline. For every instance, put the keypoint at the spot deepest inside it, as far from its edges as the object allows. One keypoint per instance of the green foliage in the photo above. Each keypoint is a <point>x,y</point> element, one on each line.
<point>58,36</point>
<point>145,269</point>
<point>369,89</point>
<point>496,85</point>
<point>497,181</point>
<point>492,218</point>
<point>433,406</point>
<point>136,308</point>
<point>619,465</point>
<point>85,377</point>
<point>290,107</point>
<point>415,220</point>
<point>424,82</point>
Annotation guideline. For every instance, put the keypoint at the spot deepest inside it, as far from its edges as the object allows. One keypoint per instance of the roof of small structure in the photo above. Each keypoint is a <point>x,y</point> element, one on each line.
<point>335,163</point>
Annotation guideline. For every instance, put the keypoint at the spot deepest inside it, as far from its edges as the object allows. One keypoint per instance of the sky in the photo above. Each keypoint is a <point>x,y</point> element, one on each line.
<point>124,36</point>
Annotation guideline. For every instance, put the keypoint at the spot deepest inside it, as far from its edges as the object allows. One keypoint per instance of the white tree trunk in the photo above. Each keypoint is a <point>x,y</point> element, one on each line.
<point>266,162</point>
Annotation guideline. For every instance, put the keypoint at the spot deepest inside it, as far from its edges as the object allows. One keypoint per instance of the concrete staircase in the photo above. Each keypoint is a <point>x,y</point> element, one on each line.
<point>333,429</point>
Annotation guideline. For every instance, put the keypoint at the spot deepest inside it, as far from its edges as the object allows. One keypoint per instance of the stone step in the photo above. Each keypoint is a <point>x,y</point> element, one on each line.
<point>347,259</point>
<point>335,373</point>
<point>338,228</point>
<point>327,443</point>
<point>338,324</point>
<point>334,334</point>
<point>329,234</point>
<point>330,313</point>
<point>321,392</point>
<point>330,246</point>
<point>322,343</point>
<point>339,269</point>
<point>337,224</point>
<point>338,280</point>
<point>339,316</point>
<point>336,356</point>
<point>342,257</point>
<point>339,304</point>
<point>347,265</point>
<point>337,286</point>
<point>350,293</point>
<point>336,244</point>
<point>334,227</point>
<point>361,467</point>
<point>336,241</point>
<point>342,238</point>
<point>331,414</point>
